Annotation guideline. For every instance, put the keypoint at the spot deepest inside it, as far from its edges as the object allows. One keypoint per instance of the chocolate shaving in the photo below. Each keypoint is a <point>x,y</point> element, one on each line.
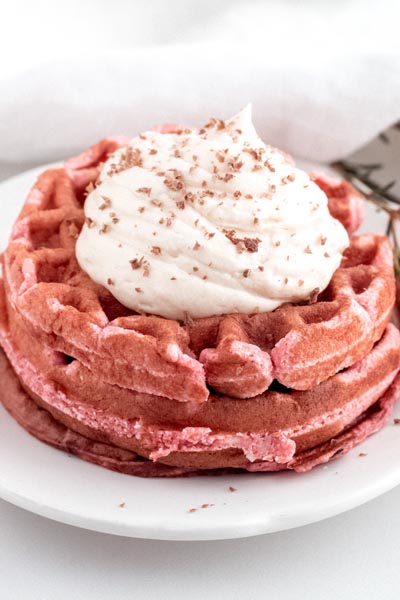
<point>175,181</point>
<point>235,163</point>
<point>249,244</point>
<point>157,203</point>
<point>144,190</point>
<point>138,263</point>
<point>89,188</point>
<point>227,177</point>
<point>104,228</point>
<point>89,222</point>
<point>189,197</point>
<point>256,154</point>
<point>106,203</point>
<point>269,166</point>
<point>291,177</point>
<point>219,124</point>
<point>131,157</point>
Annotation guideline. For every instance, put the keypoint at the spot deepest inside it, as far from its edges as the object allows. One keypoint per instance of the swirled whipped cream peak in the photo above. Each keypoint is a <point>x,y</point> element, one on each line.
<point>207,221</point>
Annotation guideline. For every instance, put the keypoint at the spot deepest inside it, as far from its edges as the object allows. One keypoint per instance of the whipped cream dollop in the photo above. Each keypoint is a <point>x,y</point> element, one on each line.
<point>206,222</point>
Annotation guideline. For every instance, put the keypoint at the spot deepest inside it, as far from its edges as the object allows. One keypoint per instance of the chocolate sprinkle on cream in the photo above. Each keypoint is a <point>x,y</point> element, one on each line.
<point>138,263</point>
<point>89,188</point>
<point>250,244</point>
<point>144,190</point>
<point>131,157</point>
<point>106,203</point>
<point>175,181</point>
<point>104,228</point>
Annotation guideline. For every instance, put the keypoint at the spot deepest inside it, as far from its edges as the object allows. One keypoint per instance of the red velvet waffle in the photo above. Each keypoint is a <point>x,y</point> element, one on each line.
<point>251,391</point>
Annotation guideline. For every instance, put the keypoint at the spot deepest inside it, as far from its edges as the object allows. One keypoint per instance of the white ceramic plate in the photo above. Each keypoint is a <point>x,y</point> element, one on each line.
<point>56,485</point>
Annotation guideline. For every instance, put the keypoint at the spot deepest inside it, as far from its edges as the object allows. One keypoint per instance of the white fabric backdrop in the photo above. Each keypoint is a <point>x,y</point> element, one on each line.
<point>323,76</point>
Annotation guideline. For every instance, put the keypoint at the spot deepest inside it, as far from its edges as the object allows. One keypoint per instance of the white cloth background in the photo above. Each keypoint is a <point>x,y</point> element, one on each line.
<point>323,76</point>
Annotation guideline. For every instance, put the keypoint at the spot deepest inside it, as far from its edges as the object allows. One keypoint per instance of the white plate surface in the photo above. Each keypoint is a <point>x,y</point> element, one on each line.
<point>56,485</point>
